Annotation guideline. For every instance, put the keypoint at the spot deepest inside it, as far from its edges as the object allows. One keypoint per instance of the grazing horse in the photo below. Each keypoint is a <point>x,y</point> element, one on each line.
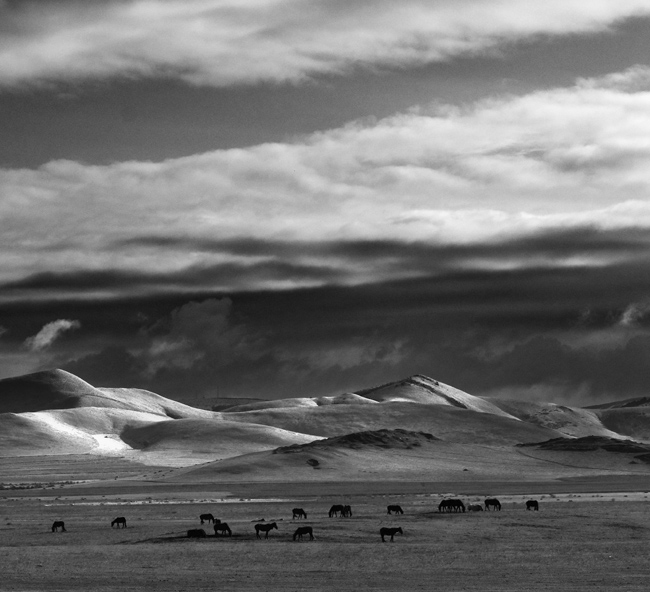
<point>389,531</point>
<point>303,530</point>
<point>299,513</point>
<point>120,521</point>
<point>347,512</point>
<point>58,524</point>
<point>475,508</point>
<point>336,509</point>
<point>532,505</point>
<point>196,533</point>
<point>451,505</point>
<point>492,502</point>
<point>222,527</point>
<point>396,509</point>
<point>265,528</point>
<point>207,518</point>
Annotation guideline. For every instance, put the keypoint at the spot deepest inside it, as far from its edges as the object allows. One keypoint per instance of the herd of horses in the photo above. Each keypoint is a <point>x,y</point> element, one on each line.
<point>340,510</point>
<point>491,504</point>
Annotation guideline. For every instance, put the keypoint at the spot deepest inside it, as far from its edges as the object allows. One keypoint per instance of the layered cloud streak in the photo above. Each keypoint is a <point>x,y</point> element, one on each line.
<point>220,43</point>
<point>554,163</point>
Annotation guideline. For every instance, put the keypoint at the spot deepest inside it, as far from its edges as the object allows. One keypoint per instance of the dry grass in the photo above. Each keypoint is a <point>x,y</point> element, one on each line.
<point>568,545</point>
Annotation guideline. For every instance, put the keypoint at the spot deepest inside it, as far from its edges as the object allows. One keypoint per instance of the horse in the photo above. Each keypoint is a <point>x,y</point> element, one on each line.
<point>222,527</point>
<point>395,508</point>
<point>120,521</point>
<point>475,508</point>
<point>265,528</point>
<point>492,502</point>
<point>532,505</point>
<point>196,533</point>
<point>207,518</point>
<point>303,530</point>
<point>389,531</point>
<point>451,505</point>
<point>58,524</point>
<point>299,513</point>
<point>347,512</point>
<point>336,509</point>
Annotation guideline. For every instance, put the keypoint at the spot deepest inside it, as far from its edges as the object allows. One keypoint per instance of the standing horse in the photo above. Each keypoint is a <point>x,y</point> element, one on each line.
<point>222,527</point>
<point>336,509</point>
<point>299,513</point>
<point>492,502</point>
<point>397,509</point>
<point>120,521</point>
<point>389,531</point>
<point>451,505</point>
<point>303,530</point>
<point>347,512</point>
<point>532,505</point>
<point>207,518</point>
<point>58,524</point>
<point>196,533</point>
<point>265,528</point>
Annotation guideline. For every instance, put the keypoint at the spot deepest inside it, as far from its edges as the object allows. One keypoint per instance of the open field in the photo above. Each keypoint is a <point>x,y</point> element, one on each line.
<point>72,452</point>
<point>577,541</point>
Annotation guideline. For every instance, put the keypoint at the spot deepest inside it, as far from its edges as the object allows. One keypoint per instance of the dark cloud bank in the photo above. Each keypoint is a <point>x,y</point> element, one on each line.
<point>538,328</point>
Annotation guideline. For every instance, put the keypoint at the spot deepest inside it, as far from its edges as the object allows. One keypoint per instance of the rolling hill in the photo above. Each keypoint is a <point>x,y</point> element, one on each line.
<point>401,430</point>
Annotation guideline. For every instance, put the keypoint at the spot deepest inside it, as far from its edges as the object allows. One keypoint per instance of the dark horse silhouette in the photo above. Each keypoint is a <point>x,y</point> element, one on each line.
<point>265,528</point>
<point>451,505</point>
<point>397,509</point>
<point>299,513</point>
<point>532,505</point>
<point>389,532</point>
<point>58,524</point>
<point>196,533</point>
<point>475,508</point>
<point>119,521</point>
<point>222,527</point>
<point>336,509</point>
<point>207,518</point>
<point>303,530</point>
<point>347,512</point>
<point>494,503</point>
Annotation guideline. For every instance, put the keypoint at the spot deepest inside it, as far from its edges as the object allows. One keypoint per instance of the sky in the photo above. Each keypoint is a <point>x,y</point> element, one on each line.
<point>281,198</point>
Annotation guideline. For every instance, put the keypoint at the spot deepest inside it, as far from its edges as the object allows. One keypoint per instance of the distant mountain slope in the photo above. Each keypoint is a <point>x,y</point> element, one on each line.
<point>569,421</point>
<point>223,439</point>
<point>344,399</point>
<point>636,402</point>
<point>58,389</point>
<point>444,421</point>
<point>53,389</point>
<point>632,422</point>
<point>404,455</point>
<point>69,431</point>
<point>422,389</point>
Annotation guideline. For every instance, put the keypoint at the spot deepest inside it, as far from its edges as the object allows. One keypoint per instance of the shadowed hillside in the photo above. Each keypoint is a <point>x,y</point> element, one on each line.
<point>58,389</point>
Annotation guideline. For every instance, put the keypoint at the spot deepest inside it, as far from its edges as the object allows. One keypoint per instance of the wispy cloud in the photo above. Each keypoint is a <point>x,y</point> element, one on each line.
<point>217,42</point>
<point>50,333</point>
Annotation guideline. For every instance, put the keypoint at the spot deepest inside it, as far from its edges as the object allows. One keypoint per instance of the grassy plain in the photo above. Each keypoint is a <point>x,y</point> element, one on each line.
<point>577,541</point>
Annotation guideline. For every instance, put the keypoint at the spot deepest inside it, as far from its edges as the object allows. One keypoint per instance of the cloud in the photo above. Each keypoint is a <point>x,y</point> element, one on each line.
<point>50,333</point>
<point>635,313</point>
<point>212,42</point>
<point>562,161</point>
<point>200,333</point>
